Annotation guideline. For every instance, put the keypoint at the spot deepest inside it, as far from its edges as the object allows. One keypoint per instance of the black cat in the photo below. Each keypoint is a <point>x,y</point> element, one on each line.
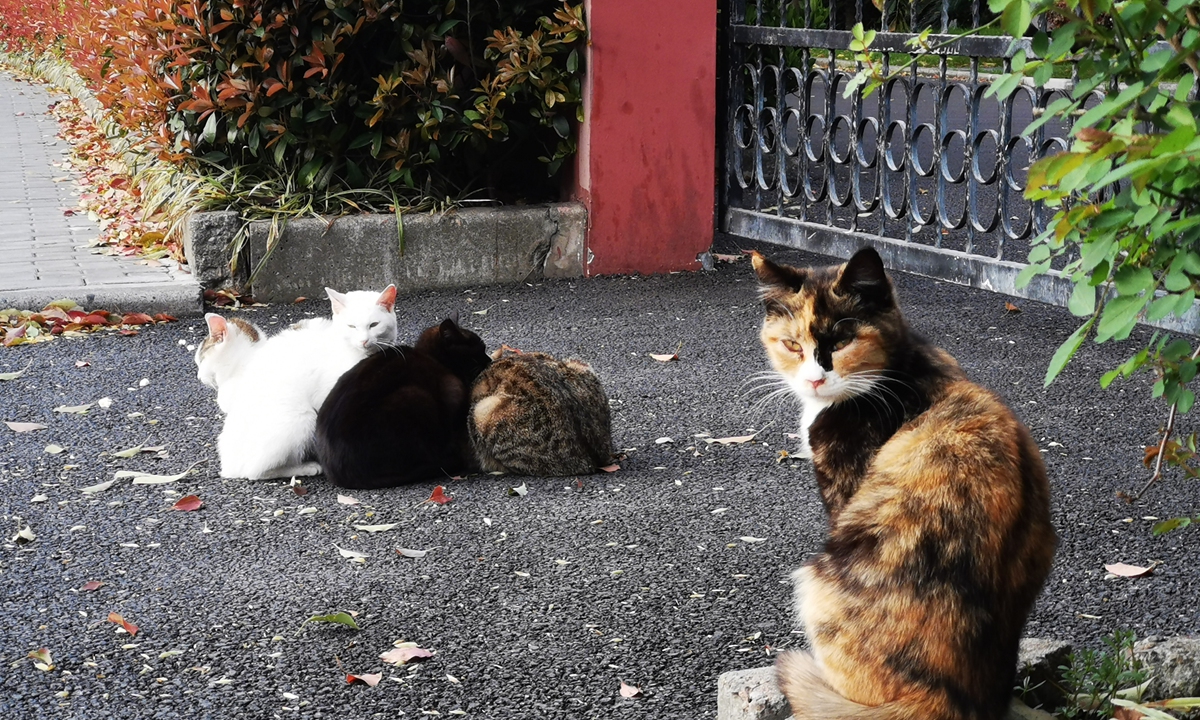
<point>400,415</point>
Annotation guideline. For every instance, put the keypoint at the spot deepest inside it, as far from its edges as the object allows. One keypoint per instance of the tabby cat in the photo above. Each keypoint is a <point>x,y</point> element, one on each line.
<point>532,414</point>
<point>400,415</point>
<point>939,509</point>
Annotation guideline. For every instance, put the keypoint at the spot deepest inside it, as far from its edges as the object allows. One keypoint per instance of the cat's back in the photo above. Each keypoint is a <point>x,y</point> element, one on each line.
<point>934,564</point>
<point>534,414</point>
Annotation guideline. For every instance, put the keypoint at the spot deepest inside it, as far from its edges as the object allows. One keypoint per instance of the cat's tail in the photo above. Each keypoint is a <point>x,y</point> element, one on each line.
<point>802,682</point>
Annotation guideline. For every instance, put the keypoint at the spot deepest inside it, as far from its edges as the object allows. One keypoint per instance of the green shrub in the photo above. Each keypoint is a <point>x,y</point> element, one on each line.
<point>436,98</point>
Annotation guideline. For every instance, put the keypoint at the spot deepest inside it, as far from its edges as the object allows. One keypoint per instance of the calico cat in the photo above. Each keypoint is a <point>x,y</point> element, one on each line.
<point>400,416</point>
<point>271,388</point>
<point>534,415</point>
<point>939,510</point>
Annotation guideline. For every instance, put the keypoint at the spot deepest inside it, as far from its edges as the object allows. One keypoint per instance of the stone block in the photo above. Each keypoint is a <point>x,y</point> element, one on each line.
<point>206,240</point>
<point>751,695</point>
<point>1174,666</point>
<point>569,242</point>
<point>462,247</point>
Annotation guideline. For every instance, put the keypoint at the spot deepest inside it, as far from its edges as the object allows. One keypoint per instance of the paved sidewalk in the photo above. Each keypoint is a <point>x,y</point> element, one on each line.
<point>43,253</point>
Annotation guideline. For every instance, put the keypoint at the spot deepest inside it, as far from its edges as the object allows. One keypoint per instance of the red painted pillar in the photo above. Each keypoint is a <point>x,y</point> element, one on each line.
<point>645,168</point>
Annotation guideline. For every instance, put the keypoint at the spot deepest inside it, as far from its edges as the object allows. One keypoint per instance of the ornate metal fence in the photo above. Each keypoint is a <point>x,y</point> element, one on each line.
<point>928,169</point>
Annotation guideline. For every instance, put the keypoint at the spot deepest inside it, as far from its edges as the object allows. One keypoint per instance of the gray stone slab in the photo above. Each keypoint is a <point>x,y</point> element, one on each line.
<point>463,247</point>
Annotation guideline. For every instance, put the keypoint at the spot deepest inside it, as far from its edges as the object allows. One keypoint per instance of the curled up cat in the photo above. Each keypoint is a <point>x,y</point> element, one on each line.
<point>400,416</point>
<point>939,509</point>
<point>532,414</point>
<point>270,388</point>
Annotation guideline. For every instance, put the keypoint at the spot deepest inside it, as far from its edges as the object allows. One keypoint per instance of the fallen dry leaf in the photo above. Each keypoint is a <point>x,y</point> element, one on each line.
<point>97,488</point>
<point>405,653</point>
<point>73,409</point>
<point>44,662</point>
<point>439,496</point>
<point>53,449</point>
<point>630,691</point>
<point>376,528</point>
<point>24,426</point>
<point>17,374</point>
<point>411,553</point>
<point>371,679</point>
<point>347,500</point>
<point>727,258</point>
<point>1129,571</point>
<point>137,319</point>
<point>82,363</point>
<point>351,554</point>
<point>92,585</point>
<point>1011,307</point>
<point>338,618</point>
<point>24,535</point>
<point>188,503</point>
<point>128,626</point>
<point>611,468</point>
<point>731,440</point>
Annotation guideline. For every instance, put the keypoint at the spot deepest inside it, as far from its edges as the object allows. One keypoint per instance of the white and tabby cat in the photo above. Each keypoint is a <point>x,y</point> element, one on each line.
<point>271,388</point>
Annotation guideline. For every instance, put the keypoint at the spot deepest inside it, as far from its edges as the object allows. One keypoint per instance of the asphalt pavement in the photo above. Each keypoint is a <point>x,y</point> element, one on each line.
<point>661,575</point>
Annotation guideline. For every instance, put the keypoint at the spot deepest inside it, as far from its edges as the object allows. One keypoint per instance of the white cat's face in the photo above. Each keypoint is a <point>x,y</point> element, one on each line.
<point>225,347</point>
<point>365,318</point>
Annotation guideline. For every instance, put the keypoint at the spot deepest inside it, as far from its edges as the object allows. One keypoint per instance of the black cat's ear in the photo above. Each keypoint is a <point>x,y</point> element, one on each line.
<point>863,276</point>
<point>449,328</point>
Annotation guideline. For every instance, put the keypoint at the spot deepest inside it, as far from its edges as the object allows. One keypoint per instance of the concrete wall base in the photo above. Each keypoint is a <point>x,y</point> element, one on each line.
<point>473,246</point>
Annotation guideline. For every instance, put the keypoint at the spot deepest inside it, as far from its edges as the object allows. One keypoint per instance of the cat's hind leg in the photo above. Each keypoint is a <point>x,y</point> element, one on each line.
<point>265,449</point>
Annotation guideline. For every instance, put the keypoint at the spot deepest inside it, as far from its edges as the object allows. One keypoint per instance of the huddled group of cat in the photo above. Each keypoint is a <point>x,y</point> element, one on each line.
<point>337,395</point>
<point>939,536</point>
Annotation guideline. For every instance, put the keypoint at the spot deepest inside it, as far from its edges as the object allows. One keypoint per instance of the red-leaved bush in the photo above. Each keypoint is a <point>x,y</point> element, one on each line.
<point>437,96</point>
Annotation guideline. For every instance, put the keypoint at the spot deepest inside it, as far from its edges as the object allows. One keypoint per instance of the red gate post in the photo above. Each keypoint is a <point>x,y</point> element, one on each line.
<point>647,146</point>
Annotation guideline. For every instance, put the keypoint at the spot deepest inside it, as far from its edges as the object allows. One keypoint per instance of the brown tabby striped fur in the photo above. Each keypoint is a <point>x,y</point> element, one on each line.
<point>532,414</point>
<point>939,512</point>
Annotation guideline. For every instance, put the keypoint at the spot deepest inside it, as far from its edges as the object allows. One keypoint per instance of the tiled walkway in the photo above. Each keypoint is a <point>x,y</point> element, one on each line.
<point>44,253</point>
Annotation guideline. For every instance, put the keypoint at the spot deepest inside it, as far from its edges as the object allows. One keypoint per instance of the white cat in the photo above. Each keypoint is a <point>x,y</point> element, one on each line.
<point>271,388</point>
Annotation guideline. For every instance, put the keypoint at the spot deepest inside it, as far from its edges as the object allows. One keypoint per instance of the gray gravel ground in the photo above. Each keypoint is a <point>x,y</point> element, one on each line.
<point>536,606</point>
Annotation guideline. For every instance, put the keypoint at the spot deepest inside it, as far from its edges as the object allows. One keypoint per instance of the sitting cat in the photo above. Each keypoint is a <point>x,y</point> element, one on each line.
<point>400,416</point>
<point>939,510</point>
<point>534,415</point>
<point>271,388</point>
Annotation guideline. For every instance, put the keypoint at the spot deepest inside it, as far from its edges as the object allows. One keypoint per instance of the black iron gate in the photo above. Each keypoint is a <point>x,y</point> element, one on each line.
<point>929,169</point>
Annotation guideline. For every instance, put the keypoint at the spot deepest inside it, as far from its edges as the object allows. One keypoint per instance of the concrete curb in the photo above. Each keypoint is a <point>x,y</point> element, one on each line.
<point>181,298</point>
<point>465,246</point>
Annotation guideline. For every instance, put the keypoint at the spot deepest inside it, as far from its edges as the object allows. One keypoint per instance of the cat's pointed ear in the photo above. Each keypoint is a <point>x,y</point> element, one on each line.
<point>387,298</point>
<point>864,277</point>
<point>776,282</point>
<point>336,300</point>
<point>218,328</point>
<point>773,277</point>
<point>449,328</point>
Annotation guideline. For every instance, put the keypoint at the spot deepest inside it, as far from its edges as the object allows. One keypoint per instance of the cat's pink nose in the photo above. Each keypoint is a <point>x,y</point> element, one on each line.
<point>817,383</point>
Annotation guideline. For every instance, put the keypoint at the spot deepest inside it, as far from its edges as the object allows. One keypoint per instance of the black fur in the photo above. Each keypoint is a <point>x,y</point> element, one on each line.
<point>400,415</point>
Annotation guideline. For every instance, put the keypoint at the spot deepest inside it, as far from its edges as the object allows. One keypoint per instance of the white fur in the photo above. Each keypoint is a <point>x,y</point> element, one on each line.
<point>817,389</point>
<point>271,390</point>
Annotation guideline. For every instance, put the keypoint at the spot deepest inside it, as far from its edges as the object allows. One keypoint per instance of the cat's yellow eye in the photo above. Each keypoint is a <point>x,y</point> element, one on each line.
<point>841,344</point>
<point>794,346</point>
